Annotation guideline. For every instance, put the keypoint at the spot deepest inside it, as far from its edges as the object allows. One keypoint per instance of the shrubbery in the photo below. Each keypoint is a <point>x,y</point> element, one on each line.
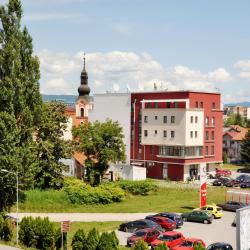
<point>140,245</point>
<point>37,233</point>
<point>138,187</point>
<point>161,247</point>
<point>6,228</point>
<point>93,240</point>
<point>82,193</point>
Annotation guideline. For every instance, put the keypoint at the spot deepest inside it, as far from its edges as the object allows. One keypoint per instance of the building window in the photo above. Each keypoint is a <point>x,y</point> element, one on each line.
<point>172,119</point>
<point>196,134</point>
<point>191,119</point>
<point>165,133</point>
<point>207,135</point>
<point>213,105</point>
<point>212,150</point>
<point>201,105</point>
<point>145,133</point>
<point>156,117</point>
<point>172,134</point>
<point>145,119</point>
<point>168,104</point>
<point>212,135</point>
<point>191,134</point>
<point>196,104</point>
<point>196,119</point>
<point>165,119</point>
<point>176,104</point>
<point>206,152</point>
<point>207,121</point>
<point>156,105</point>
<point>151,149</point>
<point>155,132</point>
<point>82,112</point>
<point>213,121</point>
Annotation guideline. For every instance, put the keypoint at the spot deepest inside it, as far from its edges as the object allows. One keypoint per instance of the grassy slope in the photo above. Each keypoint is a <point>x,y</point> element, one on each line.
<point>166,199</point>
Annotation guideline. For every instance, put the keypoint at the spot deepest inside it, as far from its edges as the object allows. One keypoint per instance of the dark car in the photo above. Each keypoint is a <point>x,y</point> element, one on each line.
<point>243,178</point>
<point>172,216</point>
<point>133,226</point>
<point>243,170</point>
<point>148,235</point>
<point>220,181</point>
<point>198,216</point>
<point>164,222</point>
<point>232,183</point>
<point>245,184</point>
<point>231,205</point>
<point>220,246</point>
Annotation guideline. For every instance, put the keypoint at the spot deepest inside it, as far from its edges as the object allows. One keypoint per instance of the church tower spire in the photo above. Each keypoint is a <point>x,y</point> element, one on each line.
<point>84,89</point>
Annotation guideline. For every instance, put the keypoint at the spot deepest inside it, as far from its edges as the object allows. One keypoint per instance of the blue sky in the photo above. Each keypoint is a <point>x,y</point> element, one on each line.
<point>179,44</point>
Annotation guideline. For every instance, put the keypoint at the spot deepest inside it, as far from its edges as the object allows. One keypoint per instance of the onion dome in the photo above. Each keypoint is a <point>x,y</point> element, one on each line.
<point>84,89</point>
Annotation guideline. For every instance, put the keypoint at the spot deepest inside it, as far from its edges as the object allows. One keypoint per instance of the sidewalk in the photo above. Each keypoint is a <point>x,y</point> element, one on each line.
<point>4,247</point>
<point>85,217</point>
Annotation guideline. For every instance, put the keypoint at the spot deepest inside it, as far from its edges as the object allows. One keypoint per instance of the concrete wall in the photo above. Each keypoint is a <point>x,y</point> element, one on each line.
<point>117,107</point>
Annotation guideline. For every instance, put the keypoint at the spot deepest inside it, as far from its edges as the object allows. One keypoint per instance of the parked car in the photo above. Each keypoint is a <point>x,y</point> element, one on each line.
<point>147,234</point>
<point>231,205</point>
<point>198,216</point>
<point>133,226</point>
<point>243,170</point>
<point>223,172</point>
<point>220,181</point>
<point>188,244</point>
<point>232,183</point>
<point>245,184</point>
<point>164,222</point>
<point>171,239</point>
<point>173,216</point>
<point>213,209</point>
<point>220,246</point>
<point>243,178</point>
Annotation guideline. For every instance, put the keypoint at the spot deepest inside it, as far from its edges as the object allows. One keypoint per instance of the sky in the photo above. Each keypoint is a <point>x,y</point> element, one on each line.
<point>132,44</point>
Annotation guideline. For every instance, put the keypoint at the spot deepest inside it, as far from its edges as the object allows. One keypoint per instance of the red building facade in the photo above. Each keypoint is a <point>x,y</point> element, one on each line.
<point>174,134</point>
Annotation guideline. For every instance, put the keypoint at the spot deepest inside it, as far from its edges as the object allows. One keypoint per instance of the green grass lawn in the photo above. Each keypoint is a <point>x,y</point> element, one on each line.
<point>165,199</point>
<point>229,166</point>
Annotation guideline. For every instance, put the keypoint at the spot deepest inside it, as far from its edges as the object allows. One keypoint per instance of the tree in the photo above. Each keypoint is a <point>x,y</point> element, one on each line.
<point>101,143</point>
<point>140,245</point>
<point>245,150</point>
<point>19,96</point>
<point>199,247</point>
<point>51,147</point>
<point>79,240</point>
<point>161,247</point>
<point>92,240</point>
<point>235,119</point>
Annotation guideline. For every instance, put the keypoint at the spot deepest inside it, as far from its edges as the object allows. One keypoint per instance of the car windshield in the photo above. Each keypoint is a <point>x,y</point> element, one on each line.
<point>186,243</point>
<point>165,238</point>
<point>140,233</point>
<point>219,209</point>
<point>151,223</point>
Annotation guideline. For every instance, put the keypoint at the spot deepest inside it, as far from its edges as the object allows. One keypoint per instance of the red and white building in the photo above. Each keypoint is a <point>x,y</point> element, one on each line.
<point>172,134</point>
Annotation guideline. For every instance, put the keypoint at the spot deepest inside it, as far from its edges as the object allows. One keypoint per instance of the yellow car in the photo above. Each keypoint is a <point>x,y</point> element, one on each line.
<point>213,209</point>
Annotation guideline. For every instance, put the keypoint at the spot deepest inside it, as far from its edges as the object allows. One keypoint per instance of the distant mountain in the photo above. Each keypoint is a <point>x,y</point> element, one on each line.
<point>245,104</point>
<point>68,99</point>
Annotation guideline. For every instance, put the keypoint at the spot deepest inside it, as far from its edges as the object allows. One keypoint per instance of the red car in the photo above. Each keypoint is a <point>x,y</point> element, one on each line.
<point>223,172</point>
<point>188,244</point>
<point>171,239</point>
<point>147,234</point>
<point>164,222</point>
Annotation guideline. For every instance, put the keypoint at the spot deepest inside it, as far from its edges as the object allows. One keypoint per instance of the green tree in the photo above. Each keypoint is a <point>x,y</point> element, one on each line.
<point>224,157</point>
<point>51,147</point>
<point>199,247</point>
<point>92,240</point>
<point>235,119</point>
<point>140,245</point>
<point>161,247</point>
<point>245,150</point>
<point>19,84</point>
<point>101,143</point>
<point>79,240</point>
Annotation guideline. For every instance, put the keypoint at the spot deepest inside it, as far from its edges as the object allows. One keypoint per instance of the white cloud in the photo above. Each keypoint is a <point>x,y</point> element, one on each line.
<point>55,86</point>
<point>243,65</point>
<point>116,70</point>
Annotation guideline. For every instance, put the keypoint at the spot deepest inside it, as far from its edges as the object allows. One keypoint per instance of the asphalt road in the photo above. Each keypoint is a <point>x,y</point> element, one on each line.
<point>3,247</point>
<point>219,231</point>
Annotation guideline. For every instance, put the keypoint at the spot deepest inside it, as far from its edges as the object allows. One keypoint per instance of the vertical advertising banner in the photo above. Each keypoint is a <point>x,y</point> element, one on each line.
<point>203,185</point>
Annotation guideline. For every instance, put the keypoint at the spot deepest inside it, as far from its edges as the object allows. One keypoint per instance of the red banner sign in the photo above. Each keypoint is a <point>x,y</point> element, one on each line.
<point>203,185</point>
<point>65,226</point>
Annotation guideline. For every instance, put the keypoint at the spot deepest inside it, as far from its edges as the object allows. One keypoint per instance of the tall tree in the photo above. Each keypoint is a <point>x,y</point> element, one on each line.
<point>51,147</point>
<point>245,150</point>
<point>19,83</point>
<point>235,119</point>
<point>102,144</point>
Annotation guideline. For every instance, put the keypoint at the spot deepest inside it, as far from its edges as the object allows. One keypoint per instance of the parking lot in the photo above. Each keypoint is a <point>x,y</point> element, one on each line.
<point>219,231</point>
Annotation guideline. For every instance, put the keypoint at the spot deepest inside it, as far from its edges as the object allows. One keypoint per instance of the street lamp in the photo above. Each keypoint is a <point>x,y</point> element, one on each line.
<point>16,174</point>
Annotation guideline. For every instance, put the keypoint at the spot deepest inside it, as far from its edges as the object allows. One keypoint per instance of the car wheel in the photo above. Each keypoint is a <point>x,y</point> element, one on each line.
<point>205,221</point>
<point>214,216</point>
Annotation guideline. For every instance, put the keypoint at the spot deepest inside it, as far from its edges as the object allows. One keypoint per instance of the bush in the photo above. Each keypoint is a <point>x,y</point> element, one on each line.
<point>140,245</point>
<point>82,193</point>
<point>6,228</point>
<point>138,187</point>
<point>79,240</point>
<point>106,242</point>
<point>92,240</point>
<point>162,247</point>
<point>199,247</point>
<point>58,239</point>
<point>37,233</point>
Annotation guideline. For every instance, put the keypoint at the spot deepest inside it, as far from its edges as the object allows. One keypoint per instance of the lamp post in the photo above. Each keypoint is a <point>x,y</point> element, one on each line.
<point>17,215</point>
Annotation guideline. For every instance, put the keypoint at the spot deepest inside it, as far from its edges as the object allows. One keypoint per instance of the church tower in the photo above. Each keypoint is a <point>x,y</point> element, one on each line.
<point>83,101</point>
